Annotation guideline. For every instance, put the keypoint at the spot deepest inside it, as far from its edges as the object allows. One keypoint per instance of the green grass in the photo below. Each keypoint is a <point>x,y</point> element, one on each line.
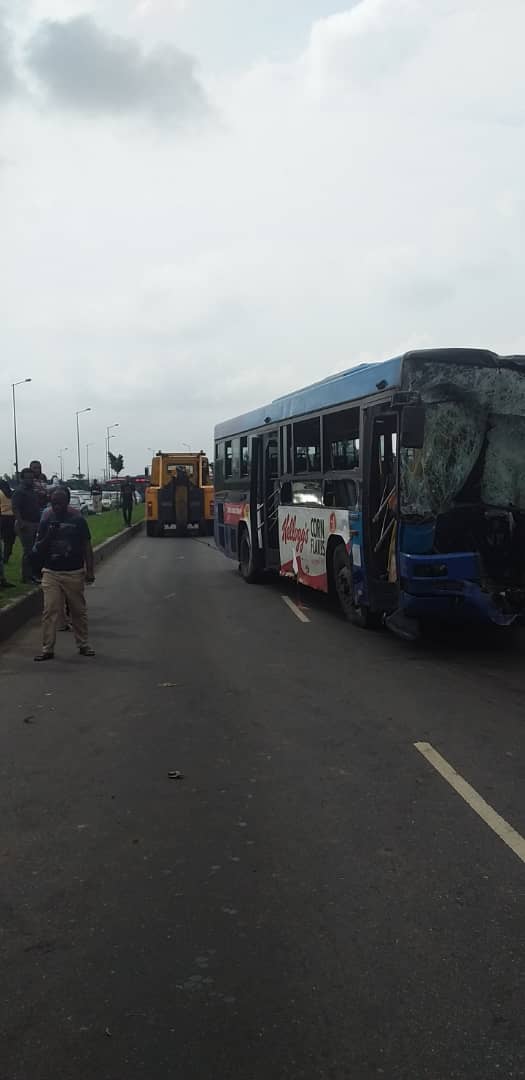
<point>101,527</point>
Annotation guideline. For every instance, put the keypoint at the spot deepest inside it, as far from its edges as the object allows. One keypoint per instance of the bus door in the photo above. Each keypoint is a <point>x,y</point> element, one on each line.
<point>270,497</point>
<point>380,505</point>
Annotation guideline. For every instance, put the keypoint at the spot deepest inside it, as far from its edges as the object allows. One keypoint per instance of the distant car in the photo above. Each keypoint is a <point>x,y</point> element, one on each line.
<point>79,503</point>
<point>109,500</point>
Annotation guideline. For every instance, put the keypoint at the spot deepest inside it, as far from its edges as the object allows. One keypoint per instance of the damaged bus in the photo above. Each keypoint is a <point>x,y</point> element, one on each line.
<point>398,486</point>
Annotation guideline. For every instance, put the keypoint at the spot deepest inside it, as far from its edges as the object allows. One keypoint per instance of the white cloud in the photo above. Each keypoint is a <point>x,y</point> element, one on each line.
<point>364,198</point>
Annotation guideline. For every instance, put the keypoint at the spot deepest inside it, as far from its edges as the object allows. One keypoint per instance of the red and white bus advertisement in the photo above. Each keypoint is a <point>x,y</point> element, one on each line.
<point>304,533</point>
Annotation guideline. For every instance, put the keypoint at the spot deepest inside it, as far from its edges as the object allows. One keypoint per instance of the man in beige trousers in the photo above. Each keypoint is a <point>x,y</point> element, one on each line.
<point>63,547</point>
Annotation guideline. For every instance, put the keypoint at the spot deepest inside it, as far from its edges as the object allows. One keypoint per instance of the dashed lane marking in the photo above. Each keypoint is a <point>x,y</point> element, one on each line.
<point>510,837</point>
<point>299,614</point>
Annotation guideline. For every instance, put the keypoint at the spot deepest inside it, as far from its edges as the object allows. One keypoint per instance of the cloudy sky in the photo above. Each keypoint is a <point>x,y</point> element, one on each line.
<point>204,203</point>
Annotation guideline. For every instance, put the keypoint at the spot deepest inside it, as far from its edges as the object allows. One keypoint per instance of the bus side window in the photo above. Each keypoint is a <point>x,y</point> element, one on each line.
<point>286,450</point>
<point>236,458</point>
<point>219,466</point>
<point>340,494</point>
<point>307,493</point>
<point>228,459</point>
<point>307,446</point>
<point>286,493</point>
<point>245,456</point>
<point>341,440</point>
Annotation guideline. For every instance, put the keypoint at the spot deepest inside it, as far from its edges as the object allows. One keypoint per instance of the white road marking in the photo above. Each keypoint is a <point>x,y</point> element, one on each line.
<point>510,837</point>
<point>296,610</point>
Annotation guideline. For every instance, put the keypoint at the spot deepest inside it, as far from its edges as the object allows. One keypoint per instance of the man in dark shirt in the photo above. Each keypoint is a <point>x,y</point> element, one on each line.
<point>64,547</point>
<point>41,483</point>
<point>127,494</point>
<point>7,530</point>
<point>26,508</point>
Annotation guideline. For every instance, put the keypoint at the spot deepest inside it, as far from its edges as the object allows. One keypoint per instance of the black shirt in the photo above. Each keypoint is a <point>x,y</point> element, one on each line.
<point>65,541</point>
<point>126,492</point>
<point>26,504</point>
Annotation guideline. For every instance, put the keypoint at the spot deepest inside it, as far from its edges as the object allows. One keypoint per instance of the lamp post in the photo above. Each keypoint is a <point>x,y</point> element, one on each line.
<point>61,460</point>
<point>79,413</point>
<point>108,437</point>
<point>13,388</point>
<point>87,458</point>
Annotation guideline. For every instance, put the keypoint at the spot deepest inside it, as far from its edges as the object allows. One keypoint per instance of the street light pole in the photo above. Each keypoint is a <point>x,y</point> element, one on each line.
<point>61,460</point>
<point>108,437</point>
<point>87,458</point>
<point>13,388</point>
<point>79,413</point>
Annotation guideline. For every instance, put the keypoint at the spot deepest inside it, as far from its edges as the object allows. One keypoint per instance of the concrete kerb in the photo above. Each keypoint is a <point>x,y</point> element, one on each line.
<point>14,615</point>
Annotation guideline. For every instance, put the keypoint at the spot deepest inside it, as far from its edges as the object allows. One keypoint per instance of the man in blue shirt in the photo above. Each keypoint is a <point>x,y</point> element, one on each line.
<point>63,546</point>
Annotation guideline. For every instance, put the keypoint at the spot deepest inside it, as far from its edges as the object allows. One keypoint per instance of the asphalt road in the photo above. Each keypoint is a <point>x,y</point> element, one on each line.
<point>312,899</point>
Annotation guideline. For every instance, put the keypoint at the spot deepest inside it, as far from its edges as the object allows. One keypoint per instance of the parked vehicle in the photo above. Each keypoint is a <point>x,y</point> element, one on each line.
<point>180,494</point>
<point>79,503</point>
<point>398,486</point>
<point>110,500</point>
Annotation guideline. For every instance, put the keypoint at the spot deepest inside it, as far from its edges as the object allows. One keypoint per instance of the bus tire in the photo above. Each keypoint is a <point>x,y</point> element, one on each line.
<point>343,586</point>
<point>203,527</point>
<point>246,564</point>
<point>152,528</point>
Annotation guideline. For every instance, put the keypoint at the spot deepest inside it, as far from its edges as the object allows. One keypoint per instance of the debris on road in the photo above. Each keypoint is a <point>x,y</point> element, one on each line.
<point>175,775</point>
<point>163,684</point>
<point>29,719</point>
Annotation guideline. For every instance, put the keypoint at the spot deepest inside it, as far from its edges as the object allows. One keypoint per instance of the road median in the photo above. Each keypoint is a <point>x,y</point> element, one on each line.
<point>16,614</point>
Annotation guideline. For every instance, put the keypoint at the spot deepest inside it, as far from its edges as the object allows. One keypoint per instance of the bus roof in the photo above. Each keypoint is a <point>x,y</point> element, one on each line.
<point>337,389</point>
<point>351,385</point>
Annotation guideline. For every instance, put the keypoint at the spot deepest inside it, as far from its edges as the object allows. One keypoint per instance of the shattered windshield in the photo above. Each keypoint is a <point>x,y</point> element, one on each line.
<point>474,446</point>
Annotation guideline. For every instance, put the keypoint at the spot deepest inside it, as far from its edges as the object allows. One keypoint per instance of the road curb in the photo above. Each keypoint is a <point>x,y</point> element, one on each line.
<point>14,615</point>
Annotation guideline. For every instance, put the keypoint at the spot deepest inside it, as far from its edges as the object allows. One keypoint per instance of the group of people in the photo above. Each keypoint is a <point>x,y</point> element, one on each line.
<point>57,553</point>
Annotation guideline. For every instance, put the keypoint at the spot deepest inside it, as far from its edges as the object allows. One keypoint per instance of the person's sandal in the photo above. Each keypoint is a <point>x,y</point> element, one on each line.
<point>86,650</point>
<point>44,656</point>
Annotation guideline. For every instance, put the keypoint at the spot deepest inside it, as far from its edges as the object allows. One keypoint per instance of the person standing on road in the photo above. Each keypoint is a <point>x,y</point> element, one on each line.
<point>96,494</point>
<point>27,509</point>
<point>4,583</point>
<point>63,547</point>
<point>127,494</point>
<point>7,520</point>
<point>41,483</point>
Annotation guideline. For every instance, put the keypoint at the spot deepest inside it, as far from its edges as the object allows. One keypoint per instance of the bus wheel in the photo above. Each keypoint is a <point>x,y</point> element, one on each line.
<point>152,528</point>
<point>342,577</point>
<point>203,527</point>
<point>246,567</point>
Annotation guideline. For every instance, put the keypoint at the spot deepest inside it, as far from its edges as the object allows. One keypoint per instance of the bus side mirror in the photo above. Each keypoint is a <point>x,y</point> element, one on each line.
<point>413,427</point>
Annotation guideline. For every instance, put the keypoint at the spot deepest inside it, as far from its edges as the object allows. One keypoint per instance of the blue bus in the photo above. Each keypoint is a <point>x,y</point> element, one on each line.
<point>397,486</point>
